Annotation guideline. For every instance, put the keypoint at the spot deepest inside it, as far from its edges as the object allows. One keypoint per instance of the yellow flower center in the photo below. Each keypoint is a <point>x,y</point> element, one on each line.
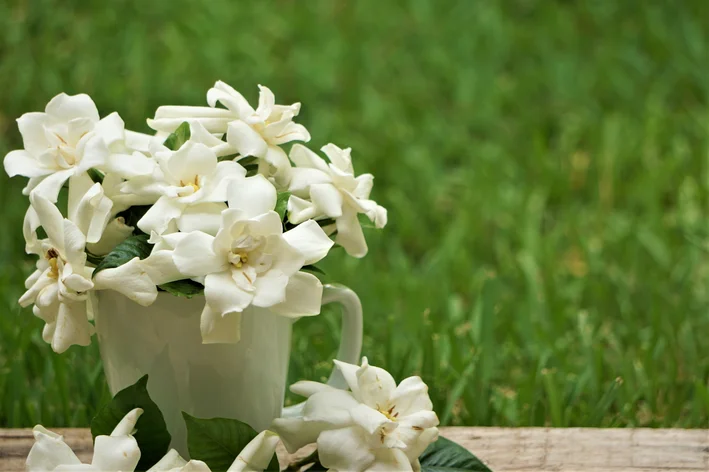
<point>194,184</point>
<point>52,256</point>
<point>391,416</point>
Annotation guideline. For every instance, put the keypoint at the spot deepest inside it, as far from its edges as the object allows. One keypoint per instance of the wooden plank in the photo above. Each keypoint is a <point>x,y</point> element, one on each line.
<point>503,449</point>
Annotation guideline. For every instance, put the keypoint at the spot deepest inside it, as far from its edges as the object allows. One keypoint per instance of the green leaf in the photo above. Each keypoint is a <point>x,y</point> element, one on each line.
<point>282,204</point>
<point>230,157</point>
<point>313,268</point>
<point>96,175</point>
<point>151,432</point>
<point>218,441</point>
<point>179,137</point>
<point>446,456</point>
<point>134,246</point>
<point>183,288</point>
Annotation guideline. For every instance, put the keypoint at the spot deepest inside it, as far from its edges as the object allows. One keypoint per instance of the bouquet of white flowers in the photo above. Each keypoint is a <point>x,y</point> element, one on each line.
<point>211,203</point>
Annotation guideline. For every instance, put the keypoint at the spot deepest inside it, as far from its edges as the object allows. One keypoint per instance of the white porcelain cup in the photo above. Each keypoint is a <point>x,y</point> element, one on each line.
<point>245,380</point>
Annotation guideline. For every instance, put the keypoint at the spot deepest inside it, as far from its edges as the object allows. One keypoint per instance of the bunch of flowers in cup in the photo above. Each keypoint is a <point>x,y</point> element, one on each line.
<point>210,203</point>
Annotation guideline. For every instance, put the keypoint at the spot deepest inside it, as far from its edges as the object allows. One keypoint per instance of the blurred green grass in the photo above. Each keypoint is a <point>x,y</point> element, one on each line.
<point>544,163</point>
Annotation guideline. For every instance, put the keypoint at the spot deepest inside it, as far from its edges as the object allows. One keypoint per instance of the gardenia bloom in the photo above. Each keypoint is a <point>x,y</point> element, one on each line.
<point>59,288</point>
<point>376,426</point>
<point>190,187</point>
<point>250,132</point>
<point>251,261</point>
<point>118,452</point>
<point>255,457</point>
<point>66,140</point>
<point>322,190</point>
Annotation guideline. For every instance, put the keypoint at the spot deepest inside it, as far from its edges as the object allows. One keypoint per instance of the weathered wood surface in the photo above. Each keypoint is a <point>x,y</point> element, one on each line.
<point>503,449</point>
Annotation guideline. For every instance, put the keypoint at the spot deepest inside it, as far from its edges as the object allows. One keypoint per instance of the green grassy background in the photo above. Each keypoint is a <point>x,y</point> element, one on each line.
<point>544,163</point>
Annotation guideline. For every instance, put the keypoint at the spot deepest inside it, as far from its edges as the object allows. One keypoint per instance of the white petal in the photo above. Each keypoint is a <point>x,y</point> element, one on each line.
<point>349,372</point>
<point>130,165</point>
<point>270,289</point>
<point>90,211</point>
<point>345,449</point>
<point>308,388</point>
<point>74,244</point>
<point>310,240</point>
<point>32,127</point>
<point>49,451</point>
<point>302,178</point>
<point>68,107</point>
<point>328,199</point>
<point>130,279</point>
<point>50,186</point>
<point>296,432</point>
<point>300,210</point>
<point>245,140</point>
<point>138,141</point>
<point>161,268</point>
<point>376,385</point>
<point>226,173</point>
<point>158,217</point>
<point>72,327</point>
<point>218,328</point>
<point>292,132</point>
<point>410,396</point>
<point>423,440</point>
<point>115,453</point>
<point>257,454</point>
<point>50,218</point>
<point>340,158</point>
<point>127,424</point>
<point>206,217</point>
<point>30,296</point>
<point>304,157</point>
<point>22,163</point>
<point>349,233</point>
<point>390,459</point>
<point>330,406</point>
<point>275,165</point>
<point>419,420</point>
<point>194,466</point>
<point>371,420</point>
<point>192,160</point>
<point>169,118</point>
<point>115,233</point>
<point>303,296</point>
<point>230,98</point>
<point>252,195</point>
<point>194,256</point>
<point>223,295</point>
<point>171,460</point>
<point>111,129</point>
<point>266,102</point>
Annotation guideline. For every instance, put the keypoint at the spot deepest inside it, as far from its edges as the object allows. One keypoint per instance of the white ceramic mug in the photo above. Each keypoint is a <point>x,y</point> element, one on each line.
<point>245,380</point>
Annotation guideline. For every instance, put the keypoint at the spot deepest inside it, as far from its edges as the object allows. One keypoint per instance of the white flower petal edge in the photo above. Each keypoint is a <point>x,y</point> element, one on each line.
<point>376,426</point>
<point>322,190</point>
<point>118,452</point>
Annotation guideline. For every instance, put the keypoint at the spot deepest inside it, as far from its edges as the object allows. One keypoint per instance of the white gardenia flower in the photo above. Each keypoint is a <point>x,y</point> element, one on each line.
<point>322,190</point>
<point>190,187</point>
<point>65,141</point>
<point>255,457</point>
<point>59,287</point>
<point>118,452</point>
<point>250,132</point>
<point>252,262</point>
<point>376,426</point>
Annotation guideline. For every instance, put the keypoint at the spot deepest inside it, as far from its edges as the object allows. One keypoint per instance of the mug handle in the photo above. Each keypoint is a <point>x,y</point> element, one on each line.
<point>350,337</point>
